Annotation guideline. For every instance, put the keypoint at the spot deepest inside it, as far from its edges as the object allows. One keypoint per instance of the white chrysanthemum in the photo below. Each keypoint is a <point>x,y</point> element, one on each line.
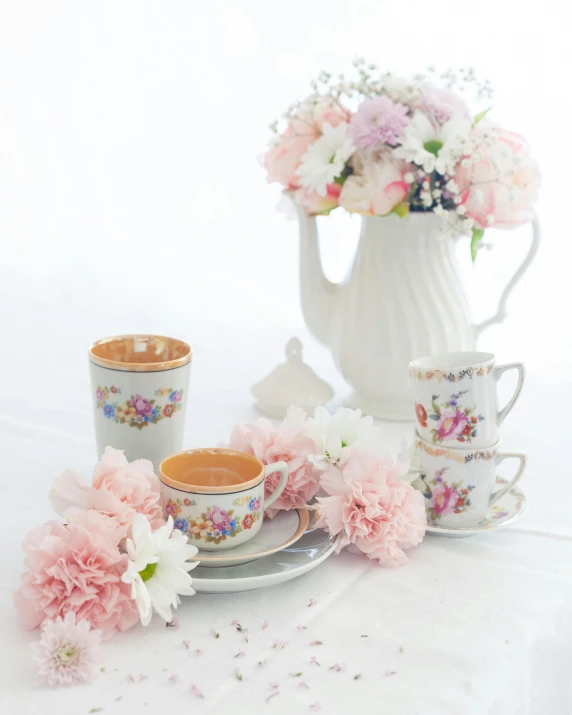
<point>67,652</point>
<point>158,568</point>
<point>435,148</point>
<point>408,455</point>
<point>339,433</point>
<point>326,158</point>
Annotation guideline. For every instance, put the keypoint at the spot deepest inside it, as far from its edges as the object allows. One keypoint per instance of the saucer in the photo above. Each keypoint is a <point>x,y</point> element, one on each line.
<point>303,556</point>
<point>274,535</point>
<point>507,510</point>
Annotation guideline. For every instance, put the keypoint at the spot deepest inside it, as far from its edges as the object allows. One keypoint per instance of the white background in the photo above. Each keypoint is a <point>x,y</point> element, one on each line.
<point>131,200</point>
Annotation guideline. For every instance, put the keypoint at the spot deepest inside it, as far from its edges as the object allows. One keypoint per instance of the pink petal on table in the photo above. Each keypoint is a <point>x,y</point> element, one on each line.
<point>174,678</point>
<point>240,654</point>
<point>235,622</point>
<point>186,644</point>
<point>265,625</point>
<point>274,686</point>
<point>279,645</point>
<point>313,602</point>
<point>196,692</point>
<point>313,659</point>
<point>315,642</point>
<point>389,672</point>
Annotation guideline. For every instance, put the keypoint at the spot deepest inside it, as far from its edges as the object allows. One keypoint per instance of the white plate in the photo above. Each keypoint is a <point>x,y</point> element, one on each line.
<point>274,535</point>
<point>506,511</point>
<point>306,554</point>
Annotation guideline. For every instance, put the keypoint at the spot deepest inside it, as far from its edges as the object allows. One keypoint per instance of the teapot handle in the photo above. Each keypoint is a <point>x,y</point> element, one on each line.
<point>500,315</point>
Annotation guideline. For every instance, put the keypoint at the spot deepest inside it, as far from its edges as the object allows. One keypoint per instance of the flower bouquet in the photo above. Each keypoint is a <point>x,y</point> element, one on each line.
<point>376,144</point>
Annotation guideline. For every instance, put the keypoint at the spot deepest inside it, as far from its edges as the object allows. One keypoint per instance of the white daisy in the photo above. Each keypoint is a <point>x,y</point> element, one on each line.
<point>435,148</point>
<point>341,432</point>
<point>326,158</point>
<point>158,567</point>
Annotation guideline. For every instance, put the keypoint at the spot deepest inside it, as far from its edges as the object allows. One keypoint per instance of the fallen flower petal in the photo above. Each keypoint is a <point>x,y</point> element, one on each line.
<point>235,622</point>
<point>186,644</point>
<point>196,692</point>
<point>198,651</point>
<point>389,672</point>
<point>279,645</point>
<point>173,624</point>
<point>313,659</point>
<point>215,633</point>
<point>240,654</point>
<point>239,675</point>
<point>296,675</point>
<point>174,678</point>
<point>274,686</point>
<point>313,602</point>
<point>314,642</point>
<point>303,684</point>
<point>301,628</point>
<point>338,667</point>
<point>265,625</point>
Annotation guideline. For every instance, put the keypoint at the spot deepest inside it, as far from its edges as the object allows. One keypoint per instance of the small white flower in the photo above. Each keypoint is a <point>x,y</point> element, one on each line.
<point>158,566</point>
<point>468,224</point>
<point>426,198</point>
<point>437,193</point>
<point>409,178</point>
<point>461,210</point>
<point>490,219</point>
<point>452,186</point>
<point>407,455</point>
<point>339,433</point>
<point>326,158</point>
<point>435,148</point>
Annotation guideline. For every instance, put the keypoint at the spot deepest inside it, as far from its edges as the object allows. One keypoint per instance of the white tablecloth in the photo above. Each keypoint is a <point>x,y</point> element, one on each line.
<point>481,626</point>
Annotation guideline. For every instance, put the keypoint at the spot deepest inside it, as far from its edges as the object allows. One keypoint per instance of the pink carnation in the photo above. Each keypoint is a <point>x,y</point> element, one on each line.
<point>372,507</point>
<point>500,189</point>
<point>288,443</point>
<point>282,160</point>
<point>75,568</point>
<point>120,489</point>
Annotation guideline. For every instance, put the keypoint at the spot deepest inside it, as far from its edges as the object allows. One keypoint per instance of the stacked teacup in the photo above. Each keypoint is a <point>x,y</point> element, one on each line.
<point>457,435</point>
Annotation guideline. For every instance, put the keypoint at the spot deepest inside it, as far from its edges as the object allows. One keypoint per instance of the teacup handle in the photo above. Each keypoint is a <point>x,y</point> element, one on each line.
<point>281,467</point>
<point>499,371</point>
<point>501,456</point>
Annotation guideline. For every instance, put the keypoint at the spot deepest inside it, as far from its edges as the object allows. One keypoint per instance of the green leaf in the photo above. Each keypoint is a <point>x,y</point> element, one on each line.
<point>401,209</point>
<point>481,115</point>
<point>436,409</point>
<point>433,146</point>
<point>478,234</point>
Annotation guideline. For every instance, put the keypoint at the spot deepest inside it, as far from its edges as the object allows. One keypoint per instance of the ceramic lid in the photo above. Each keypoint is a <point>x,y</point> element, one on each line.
<point>291,383</point>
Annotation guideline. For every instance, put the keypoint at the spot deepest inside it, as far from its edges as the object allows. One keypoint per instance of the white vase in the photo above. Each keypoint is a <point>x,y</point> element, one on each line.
<point>403,299</point>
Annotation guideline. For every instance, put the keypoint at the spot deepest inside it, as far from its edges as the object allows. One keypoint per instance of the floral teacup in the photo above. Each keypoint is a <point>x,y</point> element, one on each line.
<point>139,387</point>
<point>456,398</point>
<point>216,496</point>
<point>458,483</point>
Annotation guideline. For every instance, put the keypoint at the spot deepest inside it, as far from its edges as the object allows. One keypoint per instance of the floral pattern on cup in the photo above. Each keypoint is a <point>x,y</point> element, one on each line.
<point>445,498</point>
<point>137,411</point>
<point>253,502</point>
<point>495,513</point>
<point>215,525</point>
<point>173,507</point>
<point>454,422</point>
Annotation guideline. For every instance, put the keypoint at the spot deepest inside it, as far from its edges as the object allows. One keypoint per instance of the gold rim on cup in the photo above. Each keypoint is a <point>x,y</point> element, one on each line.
<point>255,469</point>
<point>140,353</point>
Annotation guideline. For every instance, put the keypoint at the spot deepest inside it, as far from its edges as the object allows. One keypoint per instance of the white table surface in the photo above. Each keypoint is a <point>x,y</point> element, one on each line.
<point>481,626</point>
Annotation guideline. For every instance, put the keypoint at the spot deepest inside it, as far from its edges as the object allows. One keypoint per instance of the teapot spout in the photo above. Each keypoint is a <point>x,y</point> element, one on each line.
<point>317,293</point>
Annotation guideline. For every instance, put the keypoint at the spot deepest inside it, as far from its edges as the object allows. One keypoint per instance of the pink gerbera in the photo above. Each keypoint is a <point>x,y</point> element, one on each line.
<point>378,120</point>
<point>451,424</point>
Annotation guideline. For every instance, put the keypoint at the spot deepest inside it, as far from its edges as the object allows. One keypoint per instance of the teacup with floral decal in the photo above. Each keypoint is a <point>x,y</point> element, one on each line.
<point>456,401</point>
<point>458,484</point>
<point>216,496</point>
<point>139,389</point>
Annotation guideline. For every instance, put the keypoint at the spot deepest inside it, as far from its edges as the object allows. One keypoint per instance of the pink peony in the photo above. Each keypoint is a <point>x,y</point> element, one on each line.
<point>316,204</point>
<point>282,160</point>
<point>500,189</point>
<point>67,651</point>
<point>443,499</point>
<point>143,406</point>
<point>75,568</point>
<point>378,121</point>
<point>288,443</point>
<point>376,188</point>
<point>373,507</point>
<point>119,489</point>
<point>441,104</point>
<point>451,424</point>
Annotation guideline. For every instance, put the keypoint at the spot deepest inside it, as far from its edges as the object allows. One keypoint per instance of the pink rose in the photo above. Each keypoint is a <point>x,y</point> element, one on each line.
<point>219,517</point>
<point>375,188</point>
<point>372,507</point>
<point>76,568</point>
<point>316,204</point>
<point>443,499</point>
<point>282,160</point>
<point>288,443</point>
<point>100,395</point>
<point>119,489</point>
<point>500,189</point>
<point>451,424</point>
<point>143,406</point>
